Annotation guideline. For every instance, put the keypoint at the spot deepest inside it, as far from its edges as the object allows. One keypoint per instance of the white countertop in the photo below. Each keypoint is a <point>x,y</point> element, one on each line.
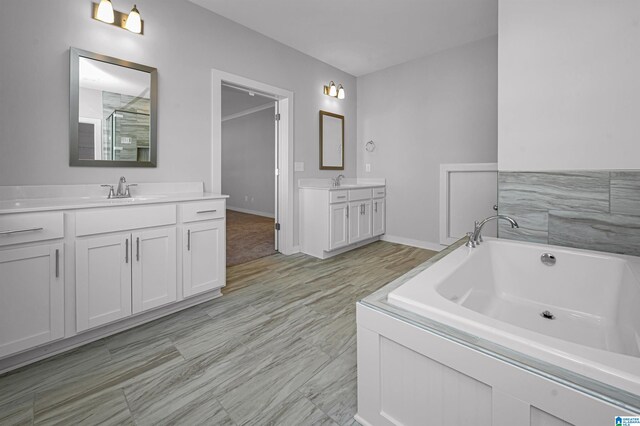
<point>69,197</point>
<point>346,184</point>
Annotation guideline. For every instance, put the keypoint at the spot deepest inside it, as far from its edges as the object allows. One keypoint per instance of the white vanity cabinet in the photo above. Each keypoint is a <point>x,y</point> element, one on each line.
<point>31,280</point>
<point>334,219</point>
<point>87,267</point>
<point>203,246</point>
<point>31,296</point>
<point>124,273</point>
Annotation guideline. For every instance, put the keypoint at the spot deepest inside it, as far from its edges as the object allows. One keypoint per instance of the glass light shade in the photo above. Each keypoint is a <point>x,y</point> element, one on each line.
<point>134,23</point>
<point>340,92</point>
<point>332,89</point>
<point>105,12</point>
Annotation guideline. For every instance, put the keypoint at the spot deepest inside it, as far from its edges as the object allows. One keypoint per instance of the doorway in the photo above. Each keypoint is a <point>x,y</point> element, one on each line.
<point>251,128</point>
<point>249,148</point>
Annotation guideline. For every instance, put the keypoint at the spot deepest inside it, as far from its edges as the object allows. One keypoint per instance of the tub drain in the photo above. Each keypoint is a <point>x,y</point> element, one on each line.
<point>547,315</point>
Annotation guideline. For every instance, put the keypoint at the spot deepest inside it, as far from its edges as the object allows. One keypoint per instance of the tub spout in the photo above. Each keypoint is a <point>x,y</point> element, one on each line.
<point>475,237</point>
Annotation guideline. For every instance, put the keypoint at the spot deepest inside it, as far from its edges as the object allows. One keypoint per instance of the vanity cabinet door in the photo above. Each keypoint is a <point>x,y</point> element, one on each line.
<point>379,219</point>
<point>153,263</point>
<point>338,226</point>
<point>31,297</point>
<point>366,221</point>
<point>355,211</point>
<point>204,257</point>
<point>103,280</point>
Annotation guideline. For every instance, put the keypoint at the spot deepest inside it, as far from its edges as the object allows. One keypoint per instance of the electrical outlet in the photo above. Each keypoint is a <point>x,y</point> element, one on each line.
<point>367,167</point>
<point>246,198</point>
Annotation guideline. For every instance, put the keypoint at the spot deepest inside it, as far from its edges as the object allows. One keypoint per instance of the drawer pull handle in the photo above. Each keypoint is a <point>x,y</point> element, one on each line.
<point>207,211</point>
<point>57,263</point>
<point>18,231</point>
<point>341,196</point>
<point>189,240</point>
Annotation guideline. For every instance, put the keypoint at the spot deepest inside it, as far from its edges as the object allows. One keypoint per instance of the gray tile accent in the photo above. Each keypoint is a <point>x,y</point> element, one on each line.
<point>625,193</point>
<point>597,210</point>
<point>595,231</point>
<point>584,191</point>
<point>534,225</point>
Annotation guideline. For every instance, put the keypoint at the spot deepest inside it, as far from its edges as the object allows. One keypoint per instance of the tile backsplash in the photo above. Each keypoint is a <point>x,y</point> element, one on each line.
<point>597,210</point>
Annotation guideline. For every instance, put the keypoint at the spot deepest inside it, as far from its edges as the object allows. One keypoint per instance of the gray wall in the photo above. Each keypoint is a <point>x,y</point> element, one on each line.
<point>569,87</point>
<point>434,110</point>
<point>568,122</point>
<point>184,42</point>
<point>248,161</point>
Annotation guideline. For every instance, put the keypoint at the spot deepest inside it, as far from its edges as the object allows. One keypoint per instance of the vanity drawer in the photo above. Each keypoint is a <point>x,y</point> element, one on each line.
<point>338,197</point>
<point>202,210</point>
<point>360,194</point>
<point>379,192</point>
<point>114,219</point>
<point>29,227</point>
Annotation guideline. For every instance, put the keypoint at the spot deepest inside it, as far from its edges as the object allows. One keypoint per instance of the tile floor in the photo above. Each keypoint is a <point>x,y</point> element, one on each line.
<point>277,349</point>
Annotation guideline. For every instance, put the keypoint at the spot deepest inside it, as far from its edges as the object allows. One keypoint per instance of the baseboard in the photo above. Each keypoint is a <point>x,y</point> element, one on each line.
<point>248,211</point>
<point>413,243</point>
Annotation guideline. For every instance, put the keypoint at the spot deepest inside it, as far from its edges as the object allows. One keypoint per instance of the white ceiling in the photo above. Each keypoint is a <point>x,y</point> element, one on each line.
<point>107,77</point>
<point>362,36</point>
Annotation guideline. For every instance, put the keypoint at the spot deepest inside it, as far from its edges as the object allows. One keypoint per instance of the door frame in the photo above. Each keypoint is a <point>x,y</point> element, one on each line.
<point>285,147</point>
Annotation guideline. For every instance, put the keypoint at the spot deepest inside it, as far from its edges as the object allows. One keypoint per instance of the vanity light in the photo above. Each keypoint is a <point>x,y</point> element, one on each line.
<point>332,90</point>
<point>104,12</point>
<point>134,23</point>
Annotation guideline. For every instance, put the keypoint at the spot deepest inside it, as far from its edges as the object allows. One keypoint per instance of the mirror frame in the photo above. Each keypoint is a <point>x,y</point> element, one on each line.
<point>74,93</point>
<point>338,116</point>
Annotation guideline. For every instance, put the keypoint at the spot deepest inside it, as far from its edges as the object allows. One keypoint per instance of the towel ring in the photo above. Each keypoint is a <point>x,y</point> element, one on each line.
<point>370,146</point>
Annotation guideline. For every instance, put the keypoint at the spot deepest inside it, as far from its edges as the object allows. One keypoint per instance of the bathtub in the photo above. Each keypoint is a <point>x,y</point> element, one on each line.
<point>581,314</point>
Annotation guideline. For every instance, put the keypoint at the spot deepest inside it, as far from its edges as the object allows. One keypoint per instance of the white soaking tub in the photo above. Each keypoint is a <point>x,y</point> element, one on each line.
<point>494,335</point>
<point>501,289</point>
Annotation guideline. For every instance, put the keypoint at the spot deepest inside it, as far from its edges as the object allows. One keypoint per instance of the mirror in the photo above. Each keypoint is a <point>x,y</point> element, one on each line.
<point>113,109</point>
<point>331,141</point>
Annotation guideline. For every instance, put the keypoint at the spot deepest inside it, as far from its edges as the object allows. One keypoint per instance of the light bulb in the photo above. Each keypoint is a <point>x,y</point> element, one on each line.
<point>105,12</point>
<point>332,89</point>
<point>134,23</point>
<point>340,92</point>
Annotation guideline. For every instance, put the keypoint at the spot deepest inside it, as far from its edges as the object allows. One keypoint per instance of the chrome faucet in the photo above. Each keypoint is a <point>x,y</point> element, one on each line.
<point>475,237</point>
<point>337,180</point>
<point>122,191</point>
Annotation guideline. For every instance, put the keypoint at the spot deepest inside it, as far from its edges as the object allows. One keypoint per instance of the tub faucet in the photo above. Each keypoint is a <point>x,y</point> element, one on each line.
<point>475,237</point>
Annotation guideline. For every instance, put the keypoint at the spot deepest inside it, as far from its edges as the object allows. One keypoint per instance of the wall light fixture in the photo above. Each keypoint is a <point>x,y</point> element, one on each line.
<point>104,12</point>
<point>332,90</point>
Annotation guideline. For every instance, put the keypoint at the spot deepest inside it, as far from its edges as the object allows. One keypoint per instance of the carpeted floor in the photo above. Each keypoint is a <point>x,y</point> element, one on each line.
<point>249,237</point>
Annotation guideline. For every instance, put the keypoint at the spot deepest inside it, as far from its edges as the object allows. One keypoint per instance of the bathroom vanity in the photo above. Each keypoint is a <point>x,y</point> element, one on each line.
<point>335,219</point>
<point>76,266</point>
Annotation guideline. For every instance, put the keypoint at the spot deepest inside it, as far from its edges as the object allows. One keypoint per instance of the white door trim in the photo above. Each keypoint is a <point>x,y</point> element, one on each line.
<point>285,154</point>
<point>445,176</point>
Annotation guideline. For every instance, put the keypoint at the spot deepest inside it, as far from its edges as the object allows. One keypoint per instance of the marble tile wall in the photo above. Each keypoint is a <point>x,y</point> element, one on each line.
<point>597,210</point>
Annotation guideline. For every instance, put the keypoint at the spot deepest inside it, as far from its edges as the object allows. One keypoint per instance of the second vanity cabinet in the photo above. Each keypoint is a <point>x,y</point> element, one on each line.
<point>334,219</point>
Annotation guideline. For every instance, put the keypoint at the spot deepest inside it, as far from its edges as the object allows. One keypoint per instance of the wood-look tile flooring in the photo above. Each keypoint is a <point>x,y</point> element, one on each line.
<point>277,349</point>
<point>249,237</point>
